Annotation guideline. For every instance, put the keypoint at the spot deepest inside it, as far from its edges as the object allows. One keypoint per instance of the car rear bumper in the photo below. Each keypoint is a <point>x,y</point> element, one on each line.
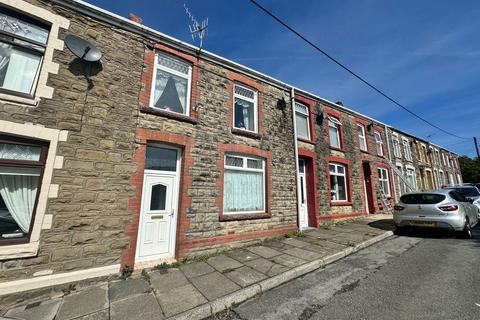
<point>451,222</point>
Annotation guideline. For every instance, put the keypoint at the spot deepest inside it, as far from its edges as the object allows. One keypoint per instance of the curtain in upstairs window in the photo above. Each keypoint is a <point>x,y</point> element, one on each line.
<point>170,92</point>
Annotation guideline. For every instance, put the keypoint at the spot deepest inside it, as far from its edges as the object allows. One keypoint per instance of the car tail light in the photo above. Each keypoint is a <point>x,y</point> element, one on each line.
<point>398,208</point>
<point>449,208</point>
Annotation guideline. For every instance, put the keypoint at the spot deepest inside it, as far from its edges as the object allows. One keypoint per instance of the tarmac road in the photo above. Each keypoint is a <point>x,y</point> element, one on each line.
<point>425,275</point>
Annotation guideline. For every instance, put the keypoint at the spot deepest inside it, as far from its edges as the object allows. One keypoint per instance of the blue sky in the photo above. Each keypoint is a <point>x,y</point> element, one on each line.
<point>425,54</point>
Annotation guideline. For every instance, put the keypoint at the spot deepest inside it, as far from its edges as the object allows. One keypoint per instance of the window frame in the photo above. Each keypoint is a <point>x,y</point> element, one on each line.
<point>255,106</point>
<point>411,169</point>
<point>407,149</point>
<point>378,142</point>
<point>305,115</point>
<point>245,168</point>
<point>38,48</point>
<point>346,181</point>
<point>40,164</point>
<point>362,137</point>
<point>338,126</point>
<point>397,152</point>
<point>157,66</point>
<point>386,178</point>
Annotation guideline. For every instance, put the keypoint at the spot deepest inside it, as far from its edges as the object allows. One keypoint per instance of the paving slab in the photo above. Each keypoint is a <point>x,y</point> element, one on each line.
<point>242,255</point>
<point>331,245</point>
<point>139,307</point>
<point>36,311</point>
<point>180,299</point>
<point>263,251</point>
<point>318,249</point>
<point>166,281</point>
<point>245,276</point>
<point>277,245</point>
<point>83,303</point>
<point>125,288</point>
<point>223,263</point>
<point>214,285</point>
<point>288,260</point>
<point>295,242</point>
<point>304,254</point>
<point>99,315</point>
<point>196,269</point>
<point>266,267</point>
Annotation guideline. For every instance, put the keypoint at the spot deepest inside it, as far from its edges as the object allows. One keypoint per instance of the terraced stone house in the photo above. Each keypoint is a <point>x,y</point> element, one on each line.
<point>161,151</point>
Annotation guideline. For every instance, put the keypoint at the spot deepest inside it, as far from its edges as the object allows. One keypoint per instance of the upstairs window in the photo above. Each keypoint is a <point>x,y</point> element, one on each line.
<point>379,143</point>
<point>22,46</point>
<point>384,181</point>
<point>362,138</point>
<point>396,146</point>
<point>302,121</point>
<point>244,185</point>
<point>172,84</point>
<point>338,182</point>
<point>21,168</point>
<point>334,127</point>
<point>407,150</point>
<point>245,108</point>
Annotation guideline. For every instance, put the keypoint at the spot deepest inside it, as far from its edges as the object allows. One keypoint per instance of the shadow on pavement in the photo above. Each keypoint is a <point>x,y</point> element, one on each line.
<point>384,224</point>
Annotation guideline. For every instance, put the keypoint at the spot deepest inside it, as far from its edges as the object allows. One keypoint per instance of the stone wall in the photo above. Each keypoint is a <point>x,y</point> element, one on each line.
<point>90,212</point>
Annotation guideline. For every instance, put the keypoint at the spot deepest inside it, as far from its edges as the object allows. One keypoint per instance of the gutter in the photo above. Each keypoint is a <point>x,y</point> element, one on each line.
<point>295,143</point>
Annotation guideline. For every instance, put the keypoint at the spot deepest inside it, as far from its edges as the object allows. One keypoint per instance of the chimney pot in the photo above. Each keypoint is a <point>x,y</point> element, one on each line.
<point>135,18</point>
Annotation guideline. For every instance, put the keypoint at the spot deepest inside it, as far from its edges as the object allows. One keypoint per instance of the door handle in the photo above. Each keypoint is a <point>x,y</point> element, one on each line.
<point>171,214</point>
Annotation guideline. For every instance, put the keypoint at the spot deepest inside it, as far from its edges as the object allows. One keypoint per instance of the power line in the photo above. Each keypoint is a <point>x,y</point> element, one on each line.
<point>352,72</point>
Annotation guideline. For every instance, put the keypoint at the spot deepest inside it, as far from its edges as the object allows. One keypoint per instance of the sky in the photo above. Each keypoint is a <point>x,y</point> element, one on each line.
<point>425,54</point>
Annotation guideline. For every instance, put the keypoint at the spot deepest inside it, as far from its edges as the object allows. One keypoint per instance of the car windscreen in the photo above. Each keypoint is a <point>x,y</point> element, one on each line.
<point>467,192</point>
<point>422,198</point>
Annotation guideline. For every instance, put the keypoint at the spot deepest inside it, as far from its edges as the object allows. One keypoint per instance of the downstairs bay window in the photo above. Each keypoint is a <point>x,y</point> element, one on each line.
<point>21,168</point>
<point>244,185</point>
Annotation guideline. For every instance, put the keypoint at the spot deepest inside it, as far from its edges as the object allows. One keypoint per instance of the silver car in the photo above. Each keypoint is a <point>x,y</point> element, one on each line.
<point>470,192</point>
<point>443,209</point>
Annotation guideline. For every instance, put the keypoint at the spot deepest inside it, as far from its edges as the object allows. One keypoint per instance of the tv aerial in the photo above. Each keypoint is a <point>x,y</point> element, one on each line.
<point>197,29</point>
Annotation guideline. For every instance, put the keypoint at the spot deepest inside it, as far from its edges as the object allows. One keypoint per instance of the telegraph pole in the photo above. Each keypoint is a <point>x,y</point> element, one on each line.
<point>476,148</point>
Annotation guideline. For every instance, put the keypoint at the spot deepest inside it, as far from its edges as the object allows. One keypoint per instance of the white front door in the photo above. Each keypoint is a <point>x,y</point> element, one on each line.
<point>156,238</point>
<point>303,219</point>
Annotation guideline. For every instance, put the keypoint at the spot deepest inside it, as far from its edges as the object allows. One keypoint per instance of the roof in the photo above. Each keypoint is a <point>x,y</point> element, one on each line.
<point>132,26</point>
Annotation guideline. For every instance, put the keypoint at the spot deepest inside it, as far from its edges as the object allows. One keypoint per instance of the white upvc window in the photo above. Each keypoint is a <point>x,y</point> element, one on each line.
<point>362,137</point>
<point>171,85</point>
<point>441,178</point>
<point>334,127</point>
<point>396,146</point>
<point>245,111</point>
<point>411,178</point>
<point>444,160</point>
<point>407,149</point>
<point>384,181</point>
<point>302,121</point>
<point>338,182</point>
<point>459,179</point>
<point>23,43</point>
<point>244,185</point>
<point>379,143</point>
<point>402,188</point>
<point>437,157</point>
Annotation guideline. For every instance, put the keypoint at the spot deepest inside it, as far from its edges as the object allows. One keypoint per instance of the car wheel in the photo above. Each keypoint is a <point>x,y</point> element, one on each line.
<point>466,233</point>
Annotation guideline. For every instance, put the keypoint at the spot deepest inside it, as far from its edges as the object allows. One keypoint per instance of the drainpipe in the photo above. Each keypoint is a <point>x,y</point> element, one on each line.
<point>295,143</point>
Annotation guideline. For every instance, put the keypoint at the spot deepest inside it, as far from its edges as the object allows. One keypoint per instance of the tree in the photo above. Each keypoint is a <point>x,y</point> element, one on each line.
<point>470,169</point>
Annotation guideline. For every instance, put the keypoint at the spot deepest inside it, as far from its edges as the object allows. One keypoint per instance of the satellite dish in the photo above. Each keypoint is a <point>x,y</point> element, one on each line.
<point>82,48</point>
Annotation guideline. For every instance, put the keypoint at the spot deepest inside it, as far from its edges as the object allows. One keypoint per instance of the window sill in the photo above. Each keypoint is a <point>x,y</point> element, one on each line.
<point>347,203</point>
<point>169,114</point>
<point>244,133</point>
<point>337,149</point>
<point>24,250</point>
<point>365,151</point>
<point>24,101</point>
<point>306,141</point>
<point>244,216</point>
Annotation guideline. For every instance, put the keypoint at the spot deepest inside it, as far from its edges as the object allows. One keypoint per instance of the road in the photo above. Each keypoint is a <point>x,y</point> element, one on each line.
<point>420,276</point>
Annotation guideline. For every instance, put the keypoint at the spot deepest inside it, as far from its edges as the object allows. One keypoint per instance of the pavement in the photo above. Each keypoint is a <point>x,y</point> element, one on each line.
<point>423,275</point>
<point>204,287</point>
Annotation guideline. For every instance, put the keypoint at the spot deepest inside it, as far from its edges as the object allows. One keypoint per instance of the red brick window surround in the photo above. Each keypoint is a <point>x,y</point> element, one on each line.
<point>175,74</point>
<point>240,89</point>
<point>362,134</point>
<point>334,130</point>
<point>339,181</point>
<point>263,158</point>
<point>304,115</point>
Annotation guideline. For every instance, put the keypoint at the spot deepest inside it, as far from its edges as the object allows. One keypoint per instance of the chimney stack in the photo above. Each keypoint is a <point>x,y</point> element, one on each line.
<point>135,18</point>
